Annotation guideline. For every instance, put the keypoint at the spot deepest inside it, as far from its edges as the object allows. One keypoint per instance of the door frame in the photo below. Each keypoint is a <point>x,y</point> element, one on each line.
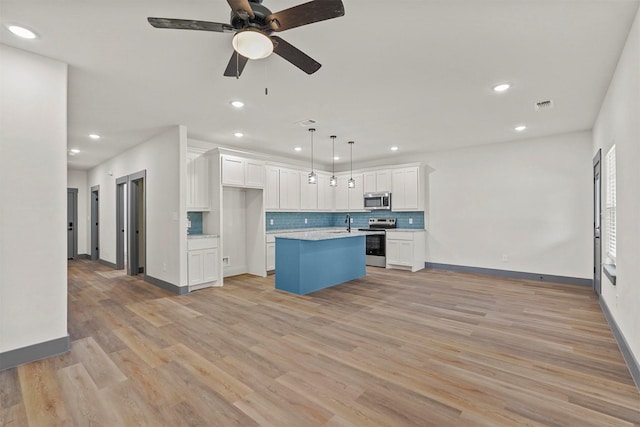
<point>120,220</point>
<point>95,226</point>
<point>136,222</point>
<point>597,222</point>
<point>74,222</point>
<point>132,216</point>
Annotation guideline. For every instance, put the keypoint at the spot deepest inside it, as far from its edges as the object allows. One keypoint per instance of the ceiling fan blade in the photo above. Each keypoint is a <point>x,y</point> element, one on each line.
<point>187,24</point>
<point>241,7</point>
<point>236,65</point>
<point>306,13</point>
<point>295,55</point>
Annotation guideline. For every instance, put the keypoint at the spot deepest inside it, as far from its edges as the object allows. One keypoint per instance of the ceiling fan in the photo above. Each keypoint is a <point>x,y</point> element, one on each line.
<point>253,25</point>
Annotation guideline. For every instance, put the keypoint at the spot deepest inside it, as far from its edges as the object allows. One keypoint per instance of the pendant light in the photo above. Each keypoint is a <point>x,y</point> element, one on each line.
<point>312,178</point>
<point>333,181</point>
<point>352,182</point>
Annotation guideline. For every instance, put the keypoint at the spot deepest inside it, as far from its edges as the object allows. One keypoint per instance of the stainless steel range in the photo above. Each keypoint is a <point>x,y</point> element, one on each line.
<point>376,251</point>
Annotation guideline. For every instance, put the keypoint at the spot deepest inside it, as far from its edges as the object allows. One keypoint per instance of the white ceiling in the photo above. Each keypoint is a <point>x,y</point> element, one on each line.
<point>416,74</point>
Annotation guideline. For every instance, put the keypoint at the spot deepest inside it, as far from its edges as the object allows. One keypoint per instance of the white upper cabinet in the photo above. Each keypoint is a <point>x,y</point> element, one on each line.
<point>405,191</point>
<point>377,181</point>
<point>289,189</point>
<point>325,193</point>
<point>308,193</point>
<point>272,188</point>
<point>241,172</point>
<point>349,198</point>
<point>197,181</point>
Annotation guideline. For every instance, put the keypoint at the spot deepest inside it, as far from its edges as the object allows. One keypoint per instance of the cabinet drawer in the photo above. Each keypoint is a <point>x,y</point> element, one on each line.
<point>399,236</point>
<point>202,243</point>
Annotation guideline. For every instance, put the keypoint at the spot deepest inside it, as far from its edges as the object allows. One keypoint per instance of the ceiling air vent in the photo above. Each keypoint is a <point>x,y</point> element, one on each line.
<point>307,123</point>
<point>544,105</point>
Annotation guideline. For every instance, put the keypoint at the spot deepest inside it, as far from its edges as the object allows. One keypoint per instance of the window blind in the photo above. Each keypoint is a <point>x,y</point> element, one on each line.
<point>610,207</point>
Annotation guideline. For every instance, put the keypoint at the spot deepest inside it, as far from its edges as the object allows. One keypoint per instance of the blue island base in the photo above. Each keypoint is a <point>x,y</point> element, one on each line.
<point>304,266</point>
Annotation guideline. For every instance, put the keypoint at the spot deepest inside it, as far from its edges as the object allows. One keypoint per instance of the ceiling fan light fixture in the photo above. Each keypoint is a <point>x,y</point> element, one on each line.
<point>252,44</point>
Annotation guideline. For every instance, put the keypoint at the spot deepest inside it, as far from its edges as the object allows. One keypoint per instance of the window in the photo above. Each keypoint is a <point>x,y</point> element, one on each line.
<point>610,207</point>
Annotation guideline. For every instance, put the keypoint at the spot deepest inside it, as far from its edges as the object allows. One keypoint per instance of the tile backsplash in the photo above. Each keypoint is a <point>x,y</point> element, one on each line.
<point>293,220</point>
<point>196,222</point>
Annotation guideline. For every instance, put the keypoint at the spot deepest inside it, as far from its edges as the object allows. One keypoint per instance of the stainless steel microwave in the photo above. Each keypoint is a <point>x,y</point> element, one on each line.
<point>377,201</point>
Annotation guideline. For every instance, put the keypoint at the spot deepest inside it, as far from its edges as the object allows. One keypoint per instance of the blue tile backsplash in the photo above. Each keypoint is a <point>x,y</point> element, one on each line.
<point>293,220</point>
<point>196,222</point>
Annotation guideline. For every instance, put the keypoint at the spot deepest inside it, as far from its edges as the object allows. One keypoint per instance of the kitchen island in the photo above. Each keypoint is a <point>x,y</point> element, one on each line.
<point>313,260</point>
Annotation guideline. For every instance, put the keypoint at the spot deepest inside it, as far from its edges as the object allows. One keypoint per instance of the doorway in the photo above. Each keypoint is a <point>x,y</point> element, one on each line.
<point>72,223</point>
<point>131,223</point>
<point>597,218</point>
<point>95,228</point>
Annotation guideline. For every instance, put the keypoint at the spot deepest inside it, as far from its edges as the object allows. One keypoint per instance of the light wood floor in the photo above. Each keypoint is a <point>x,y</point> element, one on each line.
<point>394,348</point>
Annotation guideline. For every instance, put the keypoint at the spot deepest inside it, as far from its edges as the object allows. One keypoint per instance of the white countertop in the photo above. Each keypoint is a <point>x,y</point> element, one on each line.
<point>201,236</point>
<point>406,229</point>
<point>323,234</point>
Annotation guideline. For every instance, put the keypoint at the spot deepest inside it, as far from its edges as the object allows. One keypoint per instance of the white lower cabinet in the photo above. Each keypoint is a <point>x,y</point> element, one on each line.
<point>202,262</point>
<point>271,252</point>
<point>406,249</point>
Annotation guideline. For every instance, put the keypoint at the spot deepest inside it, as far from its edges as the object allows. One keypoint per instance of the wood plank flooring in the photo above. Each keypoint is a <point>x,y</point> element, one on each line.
<point>390,349</point>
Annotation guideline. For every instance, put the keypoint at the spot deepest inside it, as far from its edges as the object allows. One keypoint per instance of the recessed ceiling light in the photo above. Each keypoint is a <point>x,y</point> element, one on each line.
<point>94,136</point>
<point>237,104</point>
<point>394,148</point>
<point>22,32</point>
<point>501,87</point>
<point>238,134</point>
<point>520,128</point>
<point>74,150</point>
<point>298,148</point>
<point>336,158</point>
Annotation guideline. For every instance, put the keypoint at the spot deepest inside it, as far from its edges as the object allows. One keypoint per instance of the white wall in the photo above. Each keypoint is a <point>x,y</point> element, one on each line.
<point>78,179</point>
<point>619,123</point>
<point>529,200</point>
<point>33,207</point>
<point>164,159</point>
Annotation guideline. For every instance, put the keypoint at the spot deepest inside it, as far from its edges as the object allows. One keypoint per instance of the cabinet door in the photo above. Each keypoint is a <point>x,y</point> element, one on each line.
<point>195,267</point>
<point>342,194</point>
<point>272,188</point>
<point>232,171</point>
<point>254,174</point>
<point>325,193</point>
<point>393,251</point>
<point>191,181</point>
<point>411,188</point>
<point>271,256</point>
<point>308,193</point>
<point>370,183</point>
<point>209,265</point>
<point>405,252</point>
<point>289,189</point>
<point>383,180</point>
<point>201,183</point>
<point>356,199</point>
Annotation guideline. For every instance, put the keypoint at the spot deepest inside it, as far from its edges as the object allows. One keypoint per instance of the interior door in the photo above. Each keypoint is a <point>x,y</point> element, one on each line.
<point>95,229</point>
<point>597,218</point>
<point>72,219</point>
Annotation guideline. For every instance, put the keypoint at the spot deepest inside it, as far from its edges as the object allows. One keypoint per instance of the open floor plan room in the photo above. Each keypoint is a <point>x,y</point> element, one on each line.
<point>392,348</point>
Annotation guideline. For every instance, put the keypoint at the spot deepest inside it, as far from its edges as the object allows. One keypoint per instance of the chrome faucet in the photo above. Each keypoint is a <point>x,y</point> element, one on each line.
<point>348,221</point>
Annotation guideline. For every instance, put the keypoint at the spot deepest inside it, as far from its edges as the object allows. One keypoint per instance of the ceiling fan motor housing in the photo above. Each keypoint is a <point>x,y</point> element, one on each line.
<point>259,21</point>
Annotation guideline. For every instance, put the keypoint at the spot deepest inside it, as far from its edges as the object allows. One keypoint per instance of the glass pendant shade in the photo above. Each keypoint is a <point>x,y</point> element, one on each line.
<point>312,178</point>
<point>252,44</point>
<point>333,181</point>
<point>352,183</point>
